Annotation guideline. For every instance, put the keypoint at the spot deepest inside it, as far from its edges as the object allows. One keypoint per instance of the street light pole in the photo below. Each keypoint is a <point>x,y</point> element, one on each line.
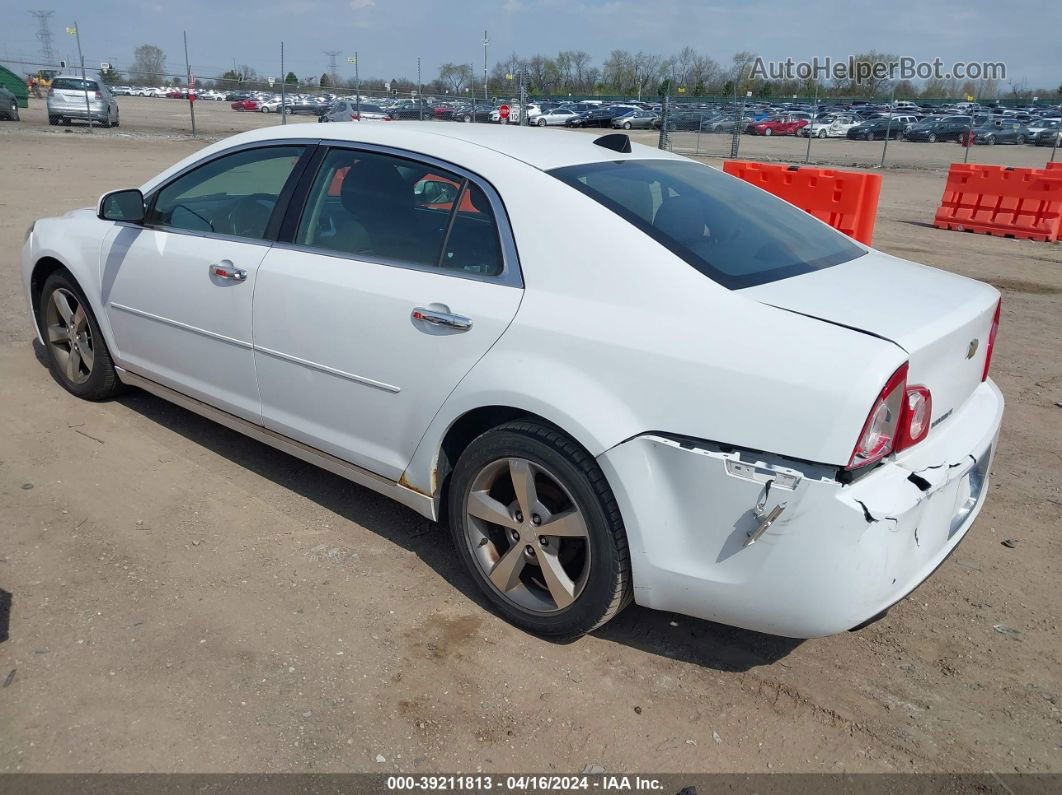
<point>188,82</point>
<point>84,79</point>
<point>486,41</point>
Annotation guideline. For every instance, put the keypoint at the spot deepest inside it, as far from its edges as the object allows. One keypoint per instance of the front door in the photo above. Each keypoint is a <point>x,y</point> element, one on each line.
<point>177,289</point>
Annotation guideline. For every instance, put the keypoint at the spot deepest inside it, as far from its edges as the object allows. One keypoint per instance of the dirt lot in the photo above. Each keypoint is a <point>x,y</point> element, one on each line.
<point>185,599</point>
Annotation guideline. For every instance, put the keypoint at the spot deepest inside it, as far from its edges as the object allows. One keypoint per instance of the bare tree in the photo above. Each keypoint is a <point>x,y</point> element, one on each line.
<point>454,78</point>
<point>149,65</point>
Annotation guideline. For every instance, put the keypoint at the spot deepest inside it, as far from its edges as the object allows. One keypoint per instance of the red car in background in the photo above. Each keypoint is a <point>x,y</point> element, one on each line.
<point>245,104</point>
<point>777,125</point>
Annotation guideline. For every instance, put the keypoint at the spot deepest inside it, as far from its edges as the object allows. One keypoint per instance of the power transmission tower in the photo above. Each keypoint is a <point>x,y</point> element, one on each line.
<point>44,35</point>
<point>332,55</point>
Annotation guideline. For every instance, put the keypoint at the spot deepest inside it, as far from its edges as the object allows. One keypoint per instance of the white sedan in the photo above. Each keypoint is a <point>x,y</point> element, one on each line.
<point>688,394</point>
<point>830,126</point>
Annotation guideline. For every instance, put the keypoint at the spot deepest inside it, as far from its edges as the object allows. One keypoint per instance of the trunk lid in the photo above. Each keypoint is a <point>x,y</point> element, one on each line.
<point>941,319</point>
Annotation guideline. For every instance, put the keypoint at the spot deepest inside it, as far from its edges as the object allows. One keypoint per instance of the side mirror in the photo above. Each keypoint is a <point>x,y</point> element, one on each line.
<point>122,205</point>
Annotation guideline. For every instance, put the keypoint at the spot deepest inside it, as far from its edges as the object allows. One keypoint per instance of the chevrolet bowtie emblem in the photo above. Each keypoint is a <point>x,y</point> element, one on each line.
<point>972,349</point>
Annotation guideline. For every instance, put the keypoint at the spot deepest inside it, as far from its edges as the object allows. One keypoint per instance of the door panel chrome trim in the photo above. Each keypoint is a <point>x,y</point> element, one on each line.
<point>421,503</point>
<point>178,324</point>
<point>360,379</point>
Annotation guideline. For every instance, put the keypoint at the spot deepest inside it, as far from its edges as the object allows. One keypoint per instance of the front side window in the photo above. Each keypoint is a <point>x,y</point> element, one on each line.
<point>380,207</point>
<point>231,195</point>
<point>733,232</point>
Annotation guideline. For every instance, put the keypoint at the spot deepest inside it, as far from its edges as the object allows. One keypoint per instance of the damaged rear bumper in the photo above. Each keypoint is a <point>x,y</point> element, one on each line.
<point>832,558</point>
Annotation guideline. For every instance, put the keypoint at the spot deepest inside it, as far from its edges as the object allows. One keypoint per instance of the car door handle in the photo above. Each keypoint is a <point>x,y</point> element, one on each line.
<point>226,270</point>
<point>437,318</point>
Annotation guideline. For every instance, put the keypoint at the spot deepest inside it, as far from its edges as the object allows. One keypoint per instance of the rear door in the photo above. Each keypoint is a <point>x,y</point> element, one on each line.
<point>383,293</point>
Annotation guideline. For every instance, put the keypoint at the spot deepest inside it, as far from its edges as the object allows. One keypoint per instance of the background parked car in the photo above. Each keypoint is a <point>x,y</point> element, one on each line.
<point>777,125</point>
<point>950,128</point>
<point>879,129</point>
<point>349,110</point>
<point>8,105</point>
<point>67,101</point>
<point>636,120</point>
<point>554,118</point>
<point>1002,131</point>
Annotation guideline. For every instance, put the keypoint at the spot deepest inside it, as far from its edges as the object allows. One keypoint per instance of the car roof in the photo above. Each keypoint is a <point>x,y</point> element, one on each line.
<point>542,149</point>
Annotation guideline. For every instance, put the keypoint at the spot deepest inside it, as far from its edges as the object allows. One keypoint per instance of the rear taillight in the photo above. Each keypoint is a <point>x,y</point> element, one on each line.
<point>914,422</point>
<point>51,92</point>
<point>99,95</point>
<point>992,340</point>
<point>878,436</point>
<point>899,418</point>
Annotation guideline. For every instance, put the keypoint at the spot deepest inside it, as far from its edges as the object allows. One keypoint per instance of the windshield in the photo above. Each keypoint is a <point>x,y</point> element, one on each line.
<point>731,231</point>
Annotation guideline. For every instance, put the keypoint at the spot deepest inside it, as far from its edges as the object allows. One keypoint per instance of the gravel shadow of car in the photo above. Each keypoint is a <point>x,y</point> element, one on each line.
<point>695,641</point>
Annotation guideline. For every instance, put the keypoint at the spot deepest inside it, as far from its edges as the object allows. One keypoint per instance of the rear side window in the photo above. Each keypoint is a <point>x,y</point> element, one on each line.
<point>74,84</point>
<point>380,207</point>
<point>734,233</point>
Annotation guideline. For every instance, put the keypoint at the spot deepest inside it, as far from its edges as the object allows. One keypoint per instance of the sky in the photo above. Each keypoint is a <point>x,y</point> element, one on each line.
<point>389,35</point>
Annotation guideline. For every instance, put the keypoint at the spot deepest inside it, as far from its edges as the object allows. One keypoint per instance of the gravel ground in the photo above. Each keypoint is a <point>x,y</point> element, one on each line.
<point>185,599</point>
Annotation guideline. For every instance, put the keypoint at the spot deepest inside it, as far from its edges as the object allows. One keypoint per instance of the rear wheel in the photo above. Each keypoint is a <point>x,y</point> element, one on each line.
<point>990,140</point>
<point>537,525</point>
<point>932,138</point>
<point>768,131</point>
<point>822,133</point>
<point>77,354</point>
<point>1020,139</point>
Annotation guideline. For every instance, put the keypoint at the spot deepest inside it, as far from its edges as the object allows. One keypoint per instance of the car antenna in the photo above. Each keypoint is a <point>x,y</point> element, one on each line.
<point>617,142</point>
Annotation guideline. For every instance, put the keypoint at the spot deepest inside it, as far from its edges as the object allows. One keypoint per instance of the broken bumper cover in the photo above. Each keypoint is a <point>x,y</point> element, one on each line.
<point>837,554</point>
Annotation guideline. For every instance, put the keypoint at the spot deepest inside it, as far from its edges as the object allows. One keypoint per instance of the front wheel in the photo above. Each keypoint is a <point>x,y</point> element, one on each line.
<point>932,138</point>
<point>822,133</point>
<point>1019,140</point>
<point>990,140</point>
<point>77,354</point>
<point>536,524</point>
<point>768,131</point>
<point>626,125</point>
<point>541,122</point>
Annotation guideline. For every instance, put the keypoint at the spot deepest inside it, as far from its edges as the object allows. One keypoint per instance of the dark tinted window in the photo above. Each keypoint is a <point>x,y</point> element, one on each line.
<point>382,207</point>
<point>74,84</point>
<point>231,195</point>
<point>729,230</point>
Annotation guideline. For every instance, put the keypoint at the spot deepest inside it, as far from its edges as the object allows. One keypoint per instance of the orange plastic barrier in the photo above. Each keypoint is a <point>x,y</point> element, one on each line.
<point>1024,203</point>
<point>846,200</point>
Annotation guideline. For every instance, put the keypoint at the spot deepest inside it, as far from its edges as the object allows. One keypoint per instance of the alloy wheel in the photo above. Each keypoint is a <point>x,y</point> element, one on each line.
<point>69,336</point>
<point>527,535</point>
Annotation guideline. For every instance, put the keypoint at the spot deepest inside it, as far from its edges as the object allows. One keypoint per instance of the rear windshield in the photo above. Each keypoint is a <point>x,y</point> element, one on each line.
<point>734,233</point>
<point>75,84</point>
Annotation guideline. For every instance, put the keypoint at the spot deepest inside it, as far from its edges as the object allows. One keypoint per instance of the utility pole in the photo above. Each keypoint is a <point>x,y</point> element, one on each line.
<point>44,35</point>
<point>472,80</point>
<point>84,78</point>
<point>420,99</point>
<point>357,88</point>
<point>188,82</point>
<point>283,88</point>
<point>486,41</point>
<point>332,54</point>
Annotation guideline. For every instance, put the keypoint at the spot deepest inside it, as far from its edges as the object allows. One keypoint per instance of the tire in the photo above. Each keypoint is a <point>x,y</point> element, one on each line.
<point>66,122</point>
<point>592,554</point>
<point>541,122</point>
<point>101,381</point>
<point>117,120</point>
<point>466,119</point>
<point>822,133</point>
<point>932,138</point>
<point>1019,140</point>
<point>626,125</point>
<point>768,131</point>
<point>990,140</point>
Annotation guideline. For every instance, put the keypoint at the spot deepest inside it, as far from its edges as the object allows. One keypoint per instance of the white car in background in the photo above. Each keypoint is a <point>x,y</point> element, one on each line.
<point>833,126</point>
<point>616,374</point>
